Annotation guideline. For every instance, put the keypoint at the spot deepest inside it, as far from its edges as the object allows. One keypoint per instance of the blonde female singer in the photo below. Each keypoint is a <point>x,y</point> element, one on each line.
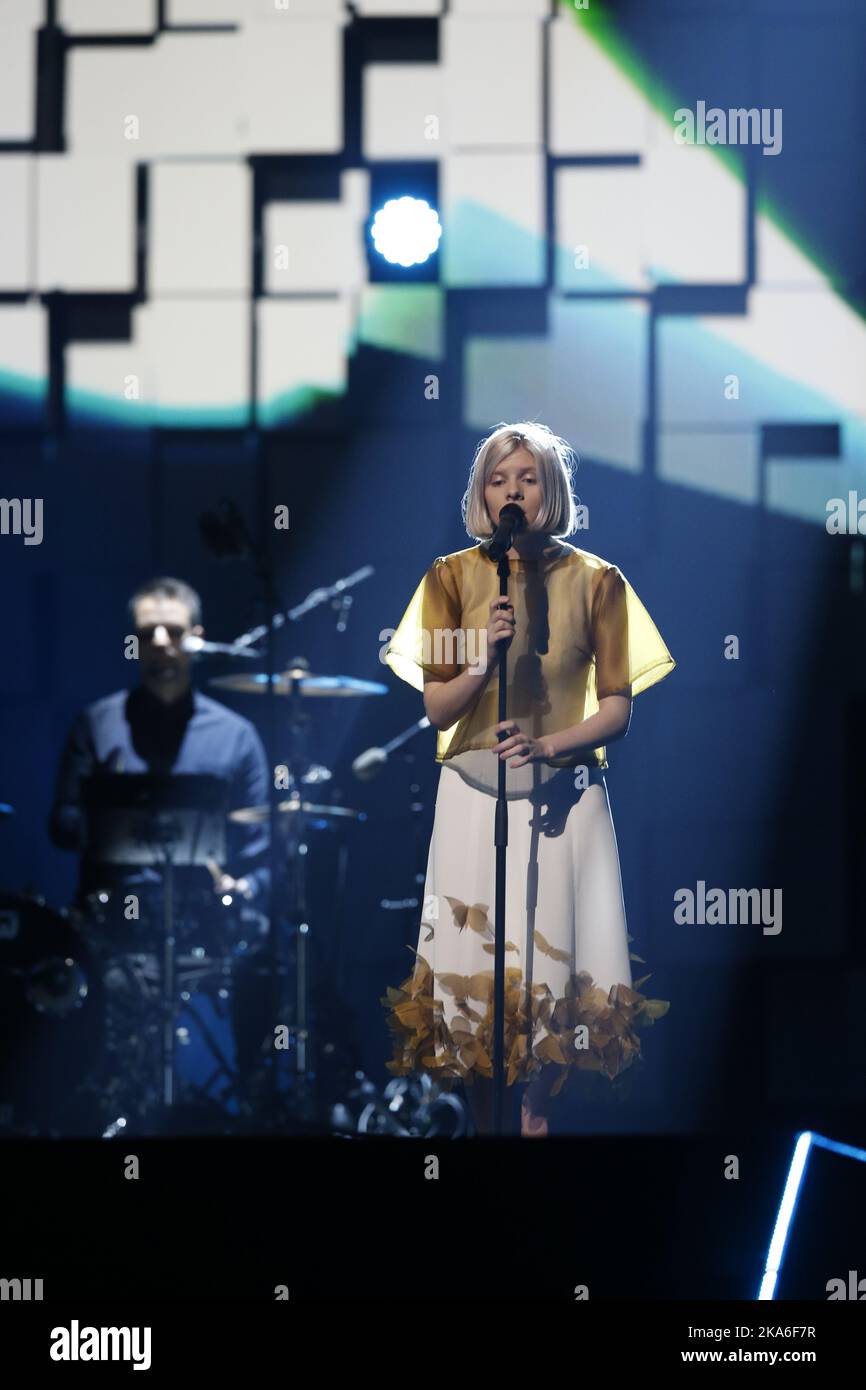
<point>580,646</point>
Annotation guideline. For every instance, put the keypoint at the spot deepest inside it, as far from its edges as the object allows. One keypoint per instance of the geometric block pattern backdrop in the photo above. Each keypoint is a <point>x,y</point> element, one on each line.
<point>180,183</point>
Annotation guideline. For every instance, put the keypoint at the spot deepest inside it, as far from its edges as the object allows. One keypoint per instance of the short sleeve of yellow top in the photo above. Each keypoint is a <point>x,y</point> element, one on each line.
<point>581,633</point>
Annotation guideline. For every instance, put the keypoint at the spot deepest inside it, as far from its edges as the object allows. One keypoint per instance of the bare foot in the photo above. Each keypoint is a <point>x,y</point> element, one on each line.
<point>532,1126</point>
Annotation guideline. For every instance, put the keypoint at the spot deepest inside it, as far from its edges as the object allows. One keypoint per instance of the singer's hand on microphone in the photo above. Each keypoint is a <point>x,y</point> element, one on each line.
<point>501,624</point>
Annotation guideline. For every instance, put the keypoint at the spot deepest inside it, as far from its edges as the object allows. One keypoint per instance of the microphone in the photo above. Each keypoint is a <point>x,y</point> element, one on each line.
<point>369,763</point>
<point>198,646</point>
<point>512,520</point>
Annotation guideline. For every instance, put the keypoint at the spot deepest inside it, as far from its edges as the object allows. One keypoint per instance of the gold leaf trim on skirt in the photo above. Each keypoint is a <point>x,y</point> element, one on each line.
<point>539,1029</point>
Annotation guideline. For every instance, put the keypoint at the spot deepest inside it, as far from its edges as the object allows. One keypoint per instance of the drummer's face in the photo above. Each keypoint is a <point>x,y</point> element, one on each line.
<point>161,625</point>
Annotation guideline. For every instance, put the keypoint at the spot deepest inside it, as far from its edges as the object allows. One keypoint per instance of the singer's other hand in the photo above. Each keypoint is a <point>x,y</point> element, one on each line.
<point>517,748</point>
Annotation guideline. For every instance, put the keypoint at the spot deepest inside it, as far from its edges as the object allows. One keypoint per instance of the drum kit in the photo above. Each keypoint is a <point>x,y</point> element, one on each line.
<point>157,1004</point>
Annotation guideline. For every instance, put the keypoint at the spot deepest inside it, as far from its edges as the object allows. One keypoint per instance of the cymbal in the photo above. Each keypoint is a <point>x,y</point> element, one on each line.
<point>255,815</point>
<point>297,681</point>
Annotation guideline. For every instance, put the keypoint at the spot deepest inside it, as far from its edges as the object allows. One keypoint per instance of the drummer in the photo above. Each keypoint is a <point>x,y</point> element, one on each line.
<point>165,726</point>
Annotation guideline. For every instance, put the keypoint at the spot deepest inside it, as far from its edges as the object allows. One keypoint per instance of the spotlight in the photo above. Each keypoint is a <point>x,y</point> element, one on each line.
<point>406,231</point>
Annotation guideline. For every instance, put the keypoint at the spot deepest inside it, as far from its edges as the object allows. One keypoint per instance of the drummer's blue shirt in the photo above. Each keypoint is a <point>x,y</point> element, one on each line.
<point>133,731</point>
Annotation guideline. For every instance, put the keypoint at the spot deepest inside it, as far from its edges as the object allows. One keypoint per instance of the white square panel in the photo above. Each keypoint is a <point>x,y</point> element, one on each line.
<point>594,107</point>
<point>245,11</point>
<point>695,217</point>
<point>539,8</point>
<point>113,97</point>
<point>29,13</point>
<point>493,82</point>
<point>403,318</point>
<point>200,228</point>
<point>18,24</point>
<point>109,382</point>
<point>24,346</point>
<point>599,365</point>
<point>291,83</point>
<point>493,219</point>
<point>403,111</point>
<point>107,16</point>
<point>723,463</point>
<point>803,487</point>
<point>705,378</point>
<point>318,246</point>
<point>17,177</point>
<point>815,342</point>
<point>409,8</point>
<point>200,88</point>
<point>206,11</point>
<point>269,87</point>
<point>141,103</point>
<point>198,355</point>
<point>599,245</point>
<point>86,225</point>
<point>303,351</point>
<point>795,356</point>
<point>506,379</point>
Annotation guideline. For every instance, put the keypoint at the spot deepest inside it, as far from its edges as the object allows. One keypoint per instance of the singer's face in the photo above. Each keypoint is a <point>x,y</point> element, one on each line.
<point>161,624</point>
<point>514,480</point>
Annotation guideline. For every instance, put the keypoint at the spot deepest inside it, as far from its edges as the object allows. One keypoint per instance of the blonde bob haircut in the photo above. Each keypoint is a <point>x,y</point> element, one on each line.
<point>555,461</point>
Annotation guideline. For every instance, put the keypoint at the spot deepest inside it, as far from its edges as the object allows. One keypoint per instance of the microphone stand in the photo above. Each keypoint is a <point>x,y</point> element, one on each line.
<point>500,840</point>
<point>511,522</point>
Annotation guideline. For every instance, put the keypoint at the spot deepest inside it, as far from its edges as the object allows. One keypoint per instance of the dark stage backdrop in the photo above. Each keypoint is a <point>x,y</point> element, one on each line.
<point>689,315</point>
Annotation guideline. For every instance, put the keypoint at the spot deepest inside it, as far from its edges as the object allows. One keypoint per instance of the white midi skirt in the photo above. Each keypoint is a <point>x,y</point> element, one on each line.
<point>571,1003</point>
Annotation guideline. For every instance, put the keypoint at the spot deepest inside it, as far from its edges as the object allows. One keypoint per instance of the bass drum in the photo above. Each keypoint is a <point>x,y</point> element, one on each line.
<point>50,1022</point>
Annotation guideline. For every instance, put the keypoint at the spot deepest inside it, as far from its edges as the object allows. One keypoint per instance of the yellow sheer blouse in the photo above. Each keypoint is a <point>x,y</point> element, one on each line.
<point>581,633</point>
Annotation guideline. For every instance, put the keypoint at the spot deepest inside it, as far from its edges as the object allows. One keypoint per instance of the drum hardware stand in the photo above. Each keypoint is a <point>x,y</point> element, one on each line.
<point>167,836</point>
<point>278,615</point>
<point>223,1066</point>
<point>142,818</point>
<point>296,854</point>
<point>367,766</point>
<point>227,535</point>
<point>168,975</point>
